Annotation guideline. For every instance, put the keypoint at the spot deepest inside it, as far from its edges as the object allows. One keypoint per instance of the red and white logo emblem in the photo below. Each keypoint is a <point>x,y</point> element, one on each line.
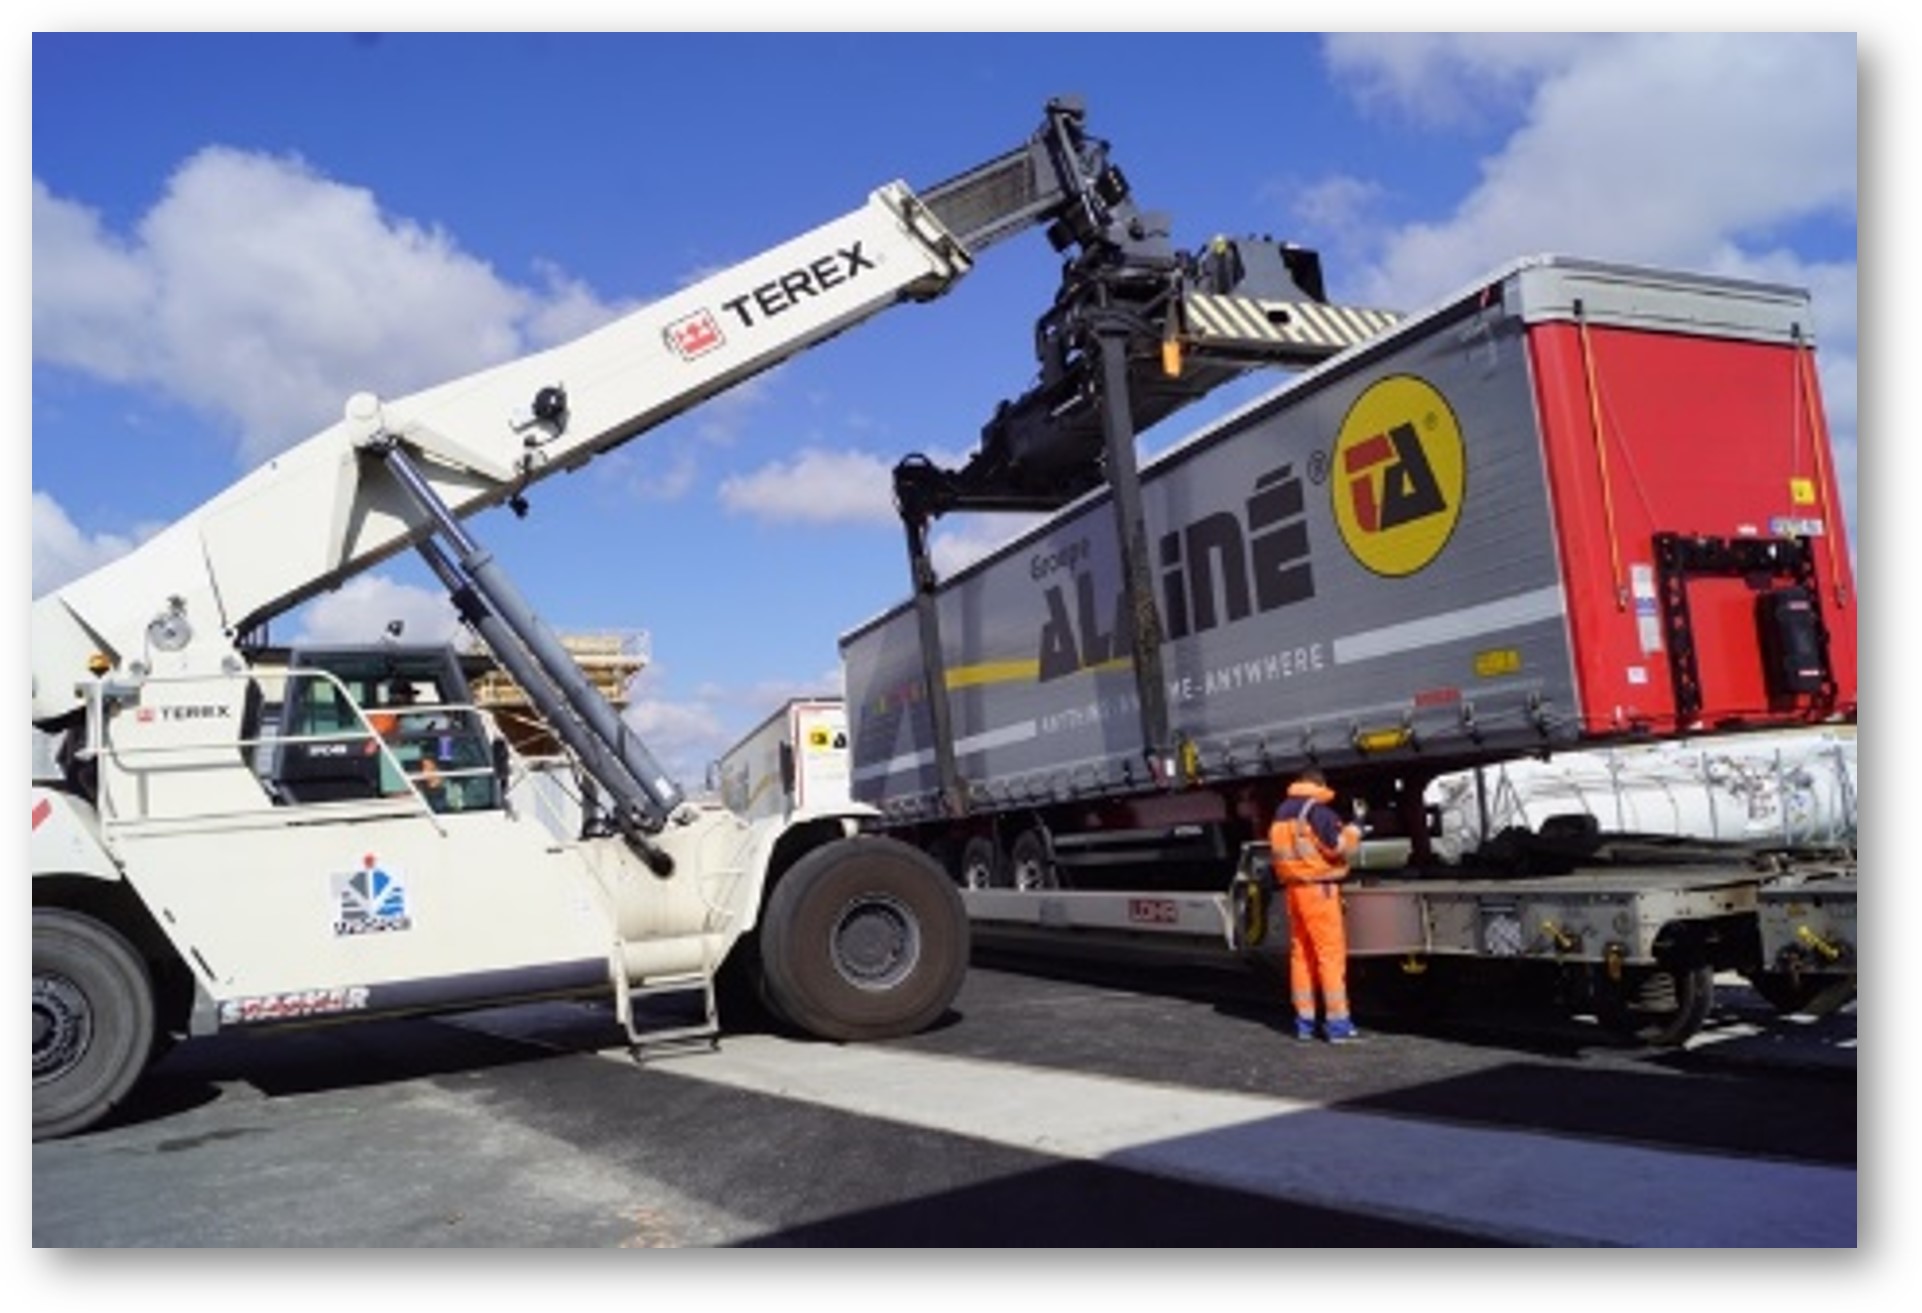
<point>693,335</point>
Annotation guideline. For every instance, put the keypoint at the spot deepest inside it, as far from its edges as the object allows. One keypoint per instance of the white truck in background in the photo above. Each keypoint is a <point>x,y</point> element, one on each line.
<point>794,763</point>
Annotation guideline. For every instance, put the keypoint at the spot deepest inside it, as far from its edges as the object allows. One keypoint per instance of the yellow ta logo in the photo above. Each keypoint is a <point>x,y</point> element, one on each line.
<point>1399,472</point>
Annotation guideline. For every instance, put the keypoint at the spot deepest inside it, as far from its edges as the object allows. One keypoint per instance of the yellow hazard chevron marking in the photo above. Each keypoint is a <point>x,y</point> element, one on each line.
<point>1303,323</point>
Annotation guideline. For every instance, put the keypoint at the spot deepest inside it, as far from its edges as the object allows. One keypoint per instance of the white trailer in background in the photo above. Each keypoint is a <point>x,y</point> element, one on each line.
<point>794,763</point>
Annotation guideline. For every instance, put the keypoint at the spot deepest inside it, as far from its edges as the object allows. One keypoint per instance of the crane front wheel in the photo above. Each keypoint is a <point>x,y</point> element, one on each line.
<point>864,938</point>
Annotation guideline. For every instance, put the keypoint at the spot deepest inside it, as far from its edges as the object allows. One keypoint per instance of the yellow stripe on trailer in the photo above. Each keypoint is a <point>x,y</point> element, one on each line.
<point>1014,672</point>
<point>993,672</point>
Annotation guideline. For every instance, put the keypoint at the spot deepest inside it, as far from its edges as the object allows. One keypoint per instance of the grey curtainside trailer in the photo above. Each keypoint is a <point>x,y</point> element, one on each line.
<point>1577,504</point>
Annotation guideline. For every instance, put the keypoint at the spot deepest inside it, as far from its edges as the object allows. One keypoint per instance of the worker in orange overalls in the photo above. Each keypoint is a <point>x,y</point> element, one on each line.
<point>1310,848</point>
<point>393,725</point>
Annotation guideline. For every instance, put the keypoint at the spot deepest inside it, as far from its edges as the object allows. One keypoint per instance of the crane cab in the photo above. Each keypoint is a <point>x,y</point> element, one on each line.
<point>380,721</point>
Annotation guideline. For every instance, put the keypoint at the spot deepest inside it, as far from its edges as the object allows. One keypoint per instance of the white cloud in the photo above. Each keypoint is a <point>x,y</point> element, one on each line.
<point>658,473</point>
<point>719,420</point>
<point>816,487</point>
<point>1661,148</point>
<point>1689,151</point>
<point>567,308</point>
<point>666,464</point>
<point>688,731</point>
<point>683,731</point>
<point>89,291</point>
<point>1339,206</point>
<point>1444,79</point>
<point>958,544</point>
<point>824,486</point>
<point>264,295</point>
<point>360,610</point>
<point>61,551</point>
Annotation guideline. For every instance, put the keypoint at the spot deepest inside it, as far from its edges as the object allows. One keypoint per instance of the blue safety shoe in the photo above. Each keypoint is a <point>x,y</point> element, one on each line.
<point>1304,1027</point>
<point>1341,1030</point>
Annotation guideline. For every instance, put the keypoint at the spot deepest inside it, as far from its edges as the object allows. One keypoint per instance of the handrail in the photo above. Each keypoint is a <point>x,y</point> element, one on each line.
<point>126,758</point>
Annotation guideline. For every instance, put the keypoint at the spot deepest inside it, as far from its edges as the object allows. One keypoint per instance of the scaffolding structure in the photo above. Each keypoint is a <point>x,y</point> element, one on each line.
<point>610,660</point>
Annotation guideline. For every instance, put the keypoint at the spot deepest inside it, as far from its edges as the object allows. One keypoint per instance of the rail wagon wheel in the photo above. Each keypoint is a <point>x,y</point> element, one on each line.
<point>93,1021</point>
<point>864,938</point>
<point>1789,993</point>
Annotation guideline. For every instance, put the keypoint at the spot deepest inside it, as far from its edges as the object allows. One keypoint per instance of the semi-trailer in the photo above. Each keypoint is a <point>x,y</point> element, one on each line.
<point>1577,504</point>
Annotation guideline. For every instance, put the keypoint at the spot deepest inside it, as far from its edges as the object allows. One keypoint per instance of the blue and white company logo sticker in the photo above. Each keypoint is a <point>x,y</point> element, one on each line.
<point>370,901</point>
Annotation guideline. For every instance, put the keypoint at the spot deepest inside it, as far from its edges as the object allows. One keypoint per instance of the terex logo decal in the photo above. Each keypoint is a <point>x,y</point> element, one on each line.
<point>214,711</point>
<point>1398,477</point>
<point>779,295</point>
<point>694,335</point>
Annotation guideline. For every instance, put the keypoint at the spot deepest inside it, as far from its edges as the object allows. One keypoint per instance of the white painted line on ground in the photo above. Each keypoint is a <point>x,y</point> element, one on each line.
<point>1512,1185</point>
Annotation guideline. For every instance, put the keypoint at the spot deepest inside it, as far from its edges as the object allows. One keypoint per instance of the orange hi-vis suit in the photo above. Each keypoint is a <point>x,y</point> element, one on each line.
<point>1310,848</point>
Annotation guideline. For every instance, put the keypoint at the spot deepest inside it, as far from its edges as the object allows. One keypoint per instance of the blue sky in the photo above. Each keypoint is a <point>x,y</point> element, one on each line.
<point>439,202</point>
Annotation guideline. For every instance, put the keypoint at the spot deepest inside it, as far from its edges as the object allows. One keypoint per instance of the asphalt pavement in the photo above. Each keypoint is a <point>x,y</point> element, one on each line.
<point>1095,1108</point>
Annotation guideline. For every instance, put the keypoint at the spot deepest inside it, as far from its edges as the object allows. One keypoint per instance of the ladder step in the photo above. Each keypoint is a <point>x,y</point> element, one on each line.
<point>647,1041</point>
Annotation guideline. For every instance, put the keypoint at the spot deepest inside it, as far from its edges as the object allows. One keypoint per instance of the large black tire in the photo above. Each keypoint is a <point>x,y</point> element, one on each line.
<point>93,1021</point>
<point>1658,1006</point>
<point>863,939</point>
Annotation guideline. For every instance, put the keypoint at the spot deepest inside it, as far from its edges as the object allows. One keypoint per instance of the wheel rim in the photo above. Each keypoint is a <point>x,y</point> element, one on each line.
<point>62,1025</point>
<point>1031,872</point>
<point>876,942</point>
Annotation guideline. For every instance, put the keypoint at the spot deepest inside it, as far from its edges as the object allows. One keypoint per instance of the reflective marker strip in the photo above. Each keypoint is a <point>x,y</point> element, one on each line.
<point>1453,626</point>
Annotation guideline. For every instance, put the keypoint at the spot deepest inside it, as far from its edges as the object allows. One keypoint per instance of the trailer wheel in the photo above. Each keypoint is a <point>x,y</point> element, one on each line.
<point>864,938</point>
<point>982,866</point>
<point>1657,1006</point>
<point>93,1021</point>
<point>1030,864</point>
